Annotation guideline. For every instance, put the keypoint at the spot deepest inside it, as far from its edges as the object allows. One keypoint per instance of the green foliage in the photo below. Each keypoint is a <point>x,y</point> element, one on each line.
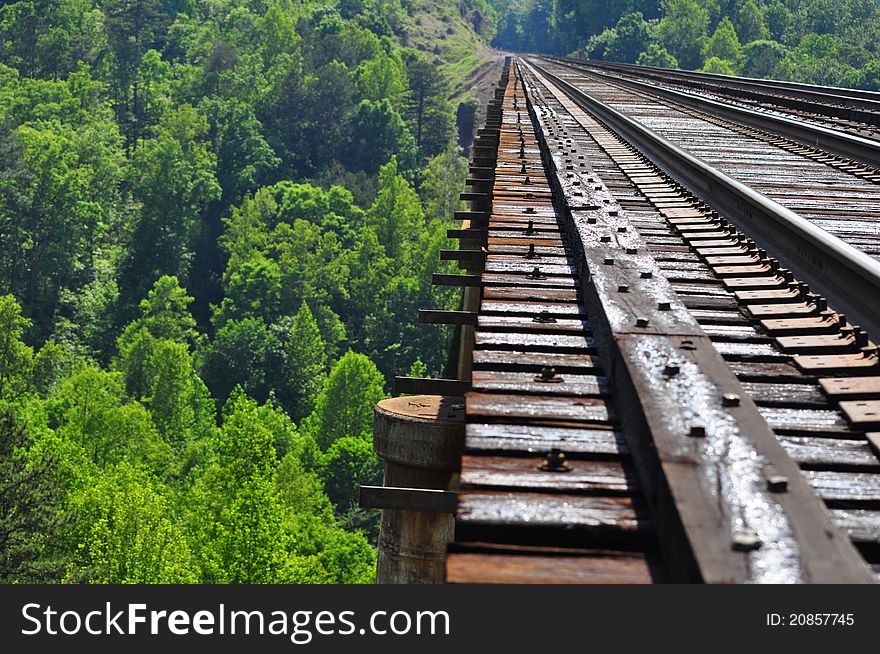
<point>444,178</point>
<point>306,363</point>
<point>723,45</point>
<point>172,178</point>
<point>31,512</point>
<point>657,56</point>
<point>816,41</point>
<point>217,220</point>
<point>719,66</point>
<point>750,23</point>
<point>631,36</point>
<point>762,57</point>
<point>344,407</point>
<point>123,534</point>
<point>16,358</point>
<point>682,30</point>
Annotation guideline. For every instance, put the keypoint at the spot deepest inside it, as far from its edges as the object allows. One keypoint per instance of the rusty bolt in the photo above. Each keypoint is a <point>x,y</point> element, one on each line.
<point>730,399</point>
<point>531,253</point>
<point>527,180</point>
<point>555,462</point>
<point>529,228</point>
<point>530,209</point>
<point>777,483</point>
<point>671,369</point>
<point>544,317</point>
<point>548,375</point>
<point>746,540</point>
<point>536,274</point>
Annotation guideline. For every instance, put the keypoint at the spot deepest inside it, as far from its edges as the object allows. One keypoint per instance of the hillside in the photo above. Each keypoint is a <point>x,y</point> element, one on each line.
<point>218,220</point>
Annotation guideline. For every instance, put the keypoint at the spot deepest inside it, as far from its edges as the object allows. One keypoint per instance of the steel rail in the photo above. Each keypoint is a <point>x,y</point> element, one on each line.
<point>830,140</point>
<point>686,451</point>
<point>831,266</point>
<point>857,98</point>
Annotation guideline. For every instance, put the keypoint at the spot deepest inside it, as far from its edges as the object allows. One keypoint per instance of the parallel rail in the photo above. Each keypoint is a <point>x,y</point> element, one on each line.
<point>851,104</point>
<point>830,140</point>
<point>650,394</point>
<point>827,263</point>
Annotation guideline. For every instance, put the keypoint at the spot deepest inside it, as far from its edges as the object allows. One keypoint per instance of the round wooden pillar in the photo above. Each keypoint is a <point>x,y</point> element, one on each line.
<point>420,439</point>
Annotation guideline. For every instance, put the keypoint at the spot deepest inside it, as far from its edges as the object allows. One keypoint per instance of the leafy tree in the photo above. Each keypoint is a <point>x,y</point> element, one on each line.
<point>16,358</point>
<point>243,353</point>
<point>723,44</point>
<point>58,198</point>
<point>682,30</point>
<point>425,82</point>
<point>762,57</point>
<point>31,512</point>
<point>235,512</point>
<point>124,533</point>
<point>396,215</point>
<point>132,26</point>
<point>750,23</point>
<point>344,407</point>
<point>173,180</point>
<point>377,132</point>
<point>631,36</point>
<point>444,178</point>
<point>305,363</point>
<point>719,66</point>
<point>657,56</point>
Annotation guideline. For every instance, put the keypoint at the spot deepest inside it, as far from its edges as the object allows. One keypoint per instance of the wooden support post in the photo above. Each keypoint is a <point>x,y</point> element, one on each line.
<point>420,439</point>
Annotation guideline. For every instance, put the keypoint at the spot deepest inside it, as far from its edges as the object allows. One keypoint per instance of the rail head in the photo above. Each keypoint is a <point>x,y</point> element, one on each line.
<point>831,266</point>
<point>841,143</point>
<point>865,98</point>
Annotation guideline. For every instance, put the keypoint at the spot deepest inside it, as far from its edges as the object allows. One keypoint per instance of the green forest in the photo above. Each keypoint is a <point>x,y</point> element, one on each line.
<point>218,219</point>
<point>830,42</point>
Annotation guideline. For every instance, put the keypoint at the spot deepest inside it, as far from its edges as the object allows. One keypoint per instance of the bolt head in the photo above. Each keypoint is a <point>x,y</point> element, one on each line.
<point>697,430</point>
<point>777,483</point>
<point>730,399</point>
<point>646,274</point>
<point>641,322</point>
<point>746,540</point>
<point>623,288</point>
<point>664,306</point>
<point>671,370</point>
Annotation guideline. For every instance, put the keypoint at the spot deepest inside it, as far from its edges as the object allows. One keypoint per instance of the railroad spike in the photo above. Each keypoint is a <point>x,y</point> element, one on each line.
<point>555,462</point>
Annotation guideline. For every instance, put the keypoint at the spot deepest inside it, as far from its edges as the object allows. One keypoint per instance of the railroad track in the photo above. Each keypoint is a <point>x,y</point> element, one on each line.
<point>653,396</point>
<point>850,110</point>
